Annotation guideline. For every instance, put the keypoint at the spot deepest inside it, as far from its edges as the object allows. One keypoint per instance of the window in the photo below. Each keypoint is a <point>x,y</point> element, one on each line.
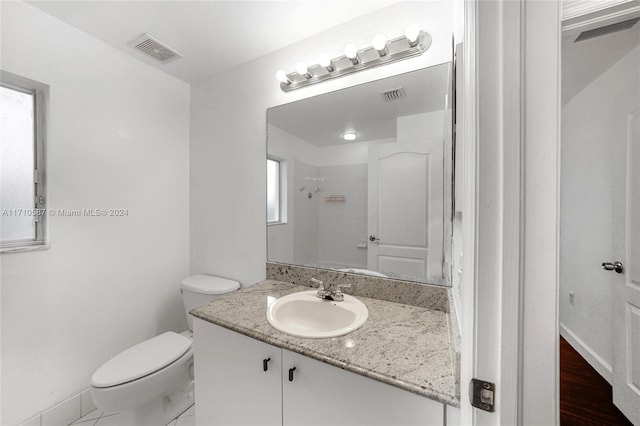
<point>273,191</point>
<point>22,200</point>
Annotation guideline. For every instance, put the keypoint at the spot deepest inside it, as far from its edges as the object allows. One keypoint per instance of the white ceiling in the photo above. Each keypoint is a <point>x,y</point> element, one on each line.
<point>321,120</point>
<point>213,36</point>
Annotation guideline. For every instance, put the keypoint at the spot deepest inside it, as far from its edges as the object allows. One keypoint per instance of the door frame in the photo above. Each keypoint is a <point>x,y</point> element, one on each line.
<point>511,156</point>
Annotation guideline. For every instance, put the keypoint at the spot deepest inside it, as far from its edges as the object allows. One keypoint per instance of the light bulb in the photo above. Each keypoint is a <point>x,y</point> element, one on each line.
<point>281,76</point>
<point>412,34</point>
<point>351,52</point>
<point>350,136</point>
<point>324,60</point>
<point>303,70</point>
<point>380,44</point>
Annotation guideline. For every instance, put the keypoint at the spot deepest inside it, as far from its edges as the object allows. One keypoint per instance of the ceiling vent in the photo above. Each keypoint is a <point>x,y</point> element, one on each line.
<point>156,49</point>
<point>607,29</point>
<point>393,94</point>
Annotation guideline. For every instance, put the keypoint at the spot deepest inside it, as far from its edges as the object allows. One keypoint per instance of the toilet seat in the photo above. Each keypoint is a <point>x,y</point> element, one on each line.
<point>141,360</point>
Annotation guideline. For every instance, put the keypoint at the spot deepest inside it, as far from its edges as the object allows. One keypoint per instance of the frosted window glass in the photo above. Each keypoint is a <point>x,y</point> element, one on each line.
<point>17,201</point>
<point>273,191</point>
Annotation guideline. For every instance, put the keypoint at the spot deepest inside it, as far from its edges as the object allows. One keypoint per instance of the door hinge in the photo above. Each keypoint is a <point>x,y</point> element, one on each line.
<point>482,394</point>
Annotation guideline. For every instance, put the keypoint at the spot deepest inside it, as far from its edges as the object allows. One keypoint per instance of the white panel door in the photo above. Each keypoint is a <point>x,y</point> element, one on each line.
<point>626,324</point>
<point>232,386</point>
<point>321,394</point>
<point>405,213</point>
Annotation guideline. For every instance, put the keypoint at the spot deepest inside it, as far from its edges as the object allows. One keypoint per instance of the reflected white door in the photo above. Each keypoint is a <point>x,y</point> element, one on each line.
<point>405,213</point>
<point>626,321</point>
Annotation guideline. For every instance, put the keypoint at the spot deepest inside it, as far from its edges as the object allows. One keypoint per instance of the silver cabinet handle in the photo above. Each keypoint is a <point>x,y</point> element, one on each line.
<point>615,266</point>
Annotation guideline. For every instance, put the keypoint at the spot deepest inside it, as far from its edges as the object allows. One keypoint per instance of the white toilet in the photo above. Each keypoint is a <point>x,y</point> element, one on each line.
<point>151,383</point>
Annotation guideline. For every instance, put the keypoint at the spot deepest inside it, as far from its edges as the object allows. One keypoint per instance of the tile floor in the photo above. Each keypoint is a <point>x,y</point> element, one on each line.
<point>100,418</point>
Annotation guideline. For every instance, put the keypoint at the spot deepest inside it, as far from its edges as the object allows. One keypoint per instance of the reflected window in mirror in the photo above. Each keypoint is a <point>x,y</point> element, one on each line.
<point>276,211</point>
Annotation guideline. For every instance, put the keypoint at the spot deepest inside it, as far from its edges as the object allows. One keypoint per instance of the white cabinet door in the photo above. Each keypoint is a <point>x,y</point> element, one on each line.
<point>321,394</point>
<point>232,387</point>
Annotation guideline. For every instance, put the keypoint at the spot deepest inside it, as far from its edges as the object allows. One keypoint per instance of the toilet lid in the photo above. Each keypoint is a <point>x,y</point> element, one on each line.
<point>208,284</point>
<point>141,360</point>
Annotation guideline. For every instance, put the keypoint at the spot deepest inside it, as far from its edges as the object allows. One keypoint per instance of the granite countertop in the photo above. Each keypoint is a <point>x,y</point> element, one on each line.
<point>405,346</point>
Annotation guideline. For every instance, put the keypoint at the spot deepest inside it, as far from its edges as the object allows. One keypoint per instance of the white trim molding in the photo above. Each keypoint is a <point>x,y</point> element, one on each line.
<point>575,8</point>
<point>600,365</point>
<point>468,103</point>
<point>542,109</point>
<point>588,15</point>
<point>512,123</point>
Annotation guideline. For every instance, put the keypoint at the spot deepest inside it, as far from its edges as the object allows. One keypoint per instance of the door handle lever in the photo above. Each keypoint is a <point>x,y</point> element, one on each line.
<point>613,266</point>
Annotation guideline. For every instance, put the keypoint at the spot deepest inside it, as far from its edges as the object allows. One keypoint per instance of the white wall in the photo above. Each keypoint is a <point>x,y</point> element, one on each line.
<point>228,133</point>
<point>118,137</point>
<point>592,122</point>
<point>342,226</point>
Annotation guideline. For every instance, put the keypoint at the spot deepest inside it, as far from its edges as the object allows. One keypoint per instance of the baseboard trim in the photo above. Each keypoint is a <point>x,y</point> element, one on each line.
<point>66,412</point>
<point>600,365</point>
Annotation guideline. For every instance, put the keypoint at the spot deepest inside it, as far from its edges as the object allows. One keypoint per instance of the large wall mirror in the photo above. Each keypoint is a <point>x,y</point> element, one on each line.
<point>360,179</point>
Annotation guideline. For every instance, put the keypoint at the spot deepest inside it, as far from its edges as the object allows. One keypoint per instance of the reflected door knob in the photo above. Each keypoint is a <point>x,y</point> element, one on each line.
<point>373,238</point>
<point>615,266</point>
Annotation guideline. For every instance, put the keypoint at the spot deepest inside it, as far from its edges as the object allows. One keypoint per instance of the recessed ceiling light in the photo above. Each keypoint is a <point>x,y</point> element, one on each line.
<point>350,136</point>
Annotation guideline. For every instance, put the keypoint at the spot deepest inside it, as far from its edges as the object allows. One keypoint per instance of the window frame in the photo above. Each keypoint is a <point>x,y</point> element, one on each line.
<point>39,92</point>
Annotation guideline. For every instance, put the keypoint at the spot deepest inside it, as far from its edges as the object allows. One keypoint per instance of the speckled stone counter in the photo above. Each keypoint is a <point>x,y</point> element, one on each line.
<point>402,345</point>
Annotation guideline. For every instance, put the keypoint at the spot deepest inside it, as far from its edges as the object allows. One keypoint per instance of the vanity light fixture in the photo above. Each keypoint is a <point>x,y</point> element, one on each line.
<point>414,43</point>
<point>349,136</point>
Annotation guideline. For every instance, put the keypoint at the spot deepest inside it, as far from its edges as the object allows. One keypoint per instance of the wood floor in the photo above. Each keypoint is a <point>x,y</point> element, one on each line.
<point>585,396</point>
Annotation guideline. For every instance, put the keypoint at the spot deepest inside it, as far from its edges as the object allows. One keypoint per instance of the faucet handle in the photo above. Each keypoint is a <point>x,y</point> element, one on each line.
<point>320,283</point>
<point>338,295</point>
<point>321,293</point>
<point>341,286</point>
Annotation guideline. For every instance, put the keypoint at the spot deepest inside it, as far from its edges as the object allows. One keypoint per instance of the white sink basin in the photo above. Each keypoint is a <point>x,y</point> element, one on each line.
<point>305,315</point>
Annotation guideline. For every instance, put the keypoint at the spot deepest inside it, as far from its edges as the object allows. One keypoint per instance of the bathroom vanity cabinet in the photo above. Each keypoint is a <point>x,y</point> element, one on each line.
<point>240,380</point>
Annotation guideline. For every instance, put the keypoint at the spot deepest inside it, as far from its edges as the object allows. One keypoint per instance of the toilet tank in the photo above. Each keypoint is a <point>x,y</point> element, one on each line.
<point>199,290</point>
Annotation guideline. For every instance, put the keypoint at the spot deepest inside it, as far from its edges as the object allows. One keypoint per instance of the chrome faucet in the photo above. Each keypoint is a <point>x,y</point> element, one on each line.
<point>331,292</point>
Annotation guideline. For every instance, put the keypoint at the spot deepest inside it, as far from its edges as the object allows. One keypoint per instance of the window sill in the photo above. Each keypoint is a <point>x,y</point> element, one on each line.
<point>276,223</point>
<point>22,249</point>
